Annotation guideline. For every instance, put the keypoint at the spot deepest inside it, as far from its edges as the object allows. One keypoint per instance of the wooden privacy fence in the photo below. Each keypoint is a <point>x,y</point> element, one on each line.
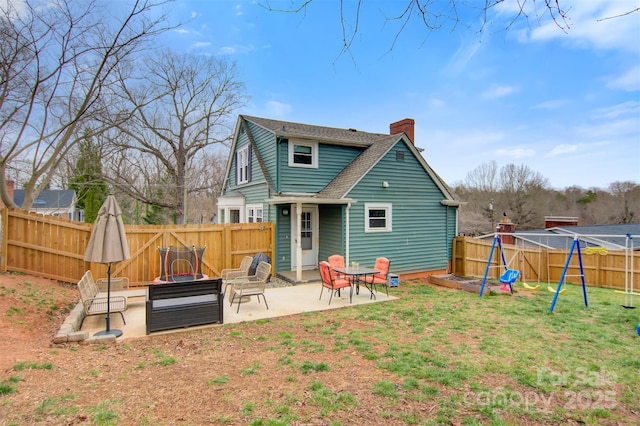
<point>54,248</point>
<point>470,257</point>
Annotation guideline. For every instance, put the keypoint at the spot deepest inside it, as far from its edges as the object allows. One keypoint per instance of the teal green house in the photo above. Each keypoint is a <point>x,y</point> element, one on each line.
<point>339,191</point>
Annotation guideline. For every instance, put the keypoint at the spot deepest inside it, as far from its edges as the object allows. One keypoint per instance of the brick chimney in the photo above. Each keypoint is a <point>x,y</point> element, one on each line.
<point>403,126</point>
<point>505,225</point>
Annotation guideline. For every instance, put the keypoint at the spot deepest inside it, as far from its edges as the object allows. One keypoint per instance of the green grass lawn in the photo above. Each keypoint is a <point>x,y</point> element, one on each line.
<point>506,359</point>
<point>434,356</point>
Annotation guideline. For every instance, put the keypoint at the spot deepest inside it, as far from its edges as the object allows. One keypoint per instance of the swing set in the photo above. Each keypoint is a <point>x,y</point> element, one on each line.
<point>509,276</point>
<point>628,277</point>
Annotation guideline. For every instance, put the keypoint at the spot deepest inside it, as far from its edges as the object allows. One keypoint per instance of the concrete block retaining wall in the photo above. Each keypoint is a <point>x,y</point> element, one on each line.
<point>69,331</point>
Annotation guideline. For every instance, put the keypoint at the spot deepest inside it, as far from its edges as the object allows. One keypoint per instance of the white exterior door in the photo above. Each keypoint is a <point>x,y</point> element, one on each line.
<point>308,237</point>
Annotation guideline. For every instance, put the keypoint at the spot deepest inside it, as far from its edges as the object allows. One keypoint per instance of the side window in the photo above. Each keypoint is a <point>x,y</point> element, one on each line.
<point>243,165</point>
<point>303,154</point>
<point>254,213</point>
<point>377,217</point>
<point>234,216</point>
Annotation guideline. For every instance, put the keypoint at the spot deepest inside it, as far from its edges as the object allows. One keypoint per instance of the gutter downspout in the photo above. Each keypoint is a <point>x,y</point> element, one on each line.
<point>347,262</point>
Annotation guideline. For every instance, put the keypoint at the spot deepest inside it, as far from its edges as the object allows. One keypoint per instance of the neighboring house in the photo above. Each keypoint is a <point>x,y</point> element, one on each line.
<point>54,202</point>
<point>559,233</point>
<point>610,237</point>
<point>339,191</point>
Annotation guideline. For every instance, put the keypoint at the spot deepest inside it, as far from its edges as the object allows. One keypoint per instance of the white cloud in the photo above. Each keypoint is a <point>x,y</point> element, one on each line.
<point>236,49</point>
<point>200,44</point>
<point>496,92</point>
<point>601,24</point>
<point>553,104</point>
<point>462,56</point>
<point>629,108</point>
<point>436,102</point>
<point>239,11</point>
<point>628,81</point>
<point>277,109</point>
<point>562,149</point>
<point>515,152</point>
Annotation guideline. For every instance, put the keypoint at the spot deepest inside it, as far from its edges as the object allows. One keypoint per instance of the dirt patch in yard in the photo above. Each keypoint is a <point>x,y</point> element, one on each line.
<point>31,311</point>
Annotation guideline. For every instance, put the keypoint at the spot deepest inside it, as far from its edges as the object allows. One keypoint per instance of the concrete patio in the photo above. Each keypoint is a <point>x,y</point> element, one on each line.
<point>282,301</point>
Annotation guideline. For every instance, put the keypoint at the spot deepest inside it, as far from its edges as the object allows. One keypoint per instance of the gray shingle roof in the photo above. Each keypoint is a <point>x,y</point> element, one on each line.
<point>325,134</point>
<point>48,198</point>
<point>609,236</point>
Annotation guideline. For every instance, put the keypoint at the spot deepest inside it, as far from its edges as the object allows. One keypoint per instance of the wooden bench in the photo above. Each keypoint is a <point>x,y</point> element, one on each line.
<point>184,304</point>
<point>95,304</point>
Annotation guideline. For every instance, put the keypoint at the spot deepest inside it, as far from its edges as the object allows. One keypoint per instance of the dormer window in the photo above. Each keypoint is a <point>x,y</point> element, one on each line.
<point>303,154</point>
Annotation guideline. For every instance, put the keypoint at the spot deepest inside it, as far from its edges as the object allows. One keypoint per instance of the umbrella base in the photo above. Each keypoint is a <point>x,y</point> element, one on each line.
<point>116,333</point>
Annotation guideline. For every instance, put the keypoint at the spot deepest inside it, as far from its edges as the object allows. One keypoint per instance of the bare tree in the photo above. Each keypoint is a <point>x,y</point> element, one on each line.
<point>182,107</point>
<point>484,178</point>
<point>627,198</point>
<point>206,178</point>
<point>57,60</point>
<point>520,187</point>
<point>432,14</point>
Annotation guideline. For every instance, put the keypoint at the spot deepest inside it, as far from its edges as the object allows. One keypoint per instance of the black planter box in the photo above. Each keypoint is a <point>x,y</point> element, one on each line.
<point>184,304</point>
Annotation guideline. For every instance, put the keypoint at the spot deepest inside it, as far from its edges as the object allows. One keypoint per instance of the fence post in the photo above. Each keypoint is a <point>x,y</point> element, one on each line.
<point>227,240</point>
<point>3,239</point>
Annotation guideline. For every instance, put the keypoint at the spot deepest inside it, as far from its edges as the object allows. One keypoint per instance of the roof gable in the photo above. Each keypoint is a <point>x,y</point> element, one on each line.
<point>374,147</point>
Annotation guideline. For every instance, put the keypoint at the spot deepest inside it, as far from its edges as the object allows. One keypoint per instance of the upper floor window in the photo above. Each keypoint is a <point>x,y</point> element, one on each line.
<point>303,154</point>
<point>254,213</point>
<point>377,217</point>
<point>243,165</point>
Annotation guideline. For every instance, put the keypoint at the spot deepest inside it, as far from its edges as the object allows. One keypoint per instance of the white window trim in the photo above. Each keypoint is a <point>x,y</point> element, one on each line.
<point>252,213</point>
<point>227,204</point>
<point>314,154</point>
<point>388,217</point>
<point>243,168</point>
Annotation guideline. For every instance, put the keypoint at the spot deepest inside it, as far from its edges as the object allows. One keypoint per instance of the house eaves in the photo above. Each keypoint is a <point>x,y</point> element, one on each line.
<point>254,147</point>
<point>306,199</point>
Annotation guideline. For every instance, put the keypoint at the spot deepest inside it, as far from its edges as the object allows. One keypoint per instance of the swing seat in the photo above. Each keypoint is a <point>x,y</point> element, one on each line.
<point>552,290</point>
<point>528,287</point>
<point>508,278</point>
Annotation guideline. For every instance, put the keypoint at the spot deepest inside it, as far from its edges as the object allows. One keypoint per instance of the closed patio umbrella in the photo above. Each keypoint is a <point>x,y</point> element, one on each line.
<point>108,245</point>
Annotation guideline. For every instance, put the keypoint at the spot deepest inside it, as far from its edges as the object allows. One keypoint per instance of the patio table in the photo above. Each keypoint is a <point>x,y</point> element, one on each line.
<point>354,274</point>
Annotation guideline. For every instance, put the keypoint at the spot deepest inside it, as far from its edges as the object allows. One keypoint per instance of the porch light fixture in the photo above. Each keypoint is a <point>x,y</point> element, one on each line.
<point>385,184</point>
<point>285,212</point>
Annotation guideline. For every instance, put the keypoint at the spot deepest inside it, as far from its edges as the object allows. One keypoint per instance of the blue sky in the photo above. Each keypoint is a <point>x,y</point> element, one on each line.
<point>565,103</point>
